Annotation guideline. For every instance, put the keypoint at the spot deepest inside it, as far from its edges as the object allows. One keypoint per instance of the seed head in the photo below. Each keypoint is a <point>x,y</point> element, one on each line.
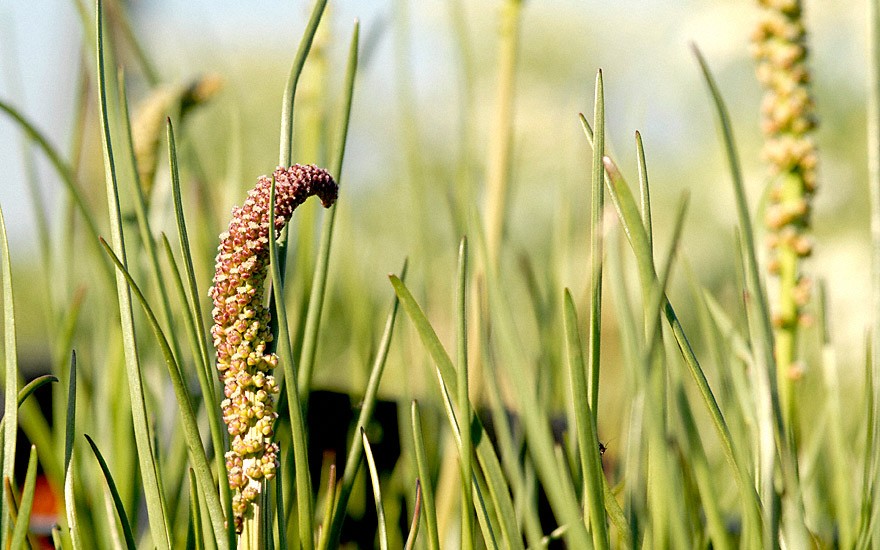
<point>241,329</point>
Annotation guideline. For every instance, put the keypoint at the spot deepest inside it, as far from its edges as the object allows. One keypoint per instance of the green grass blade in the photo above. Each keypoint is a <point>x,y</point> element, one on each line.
<point>769,383</point>
<point>355,453</point>
<point>187,414</point>
<point>196,325</point>
<point>69,435</point>
<point>709,494</point>
<point>414,525</point>
<point>194,303</point>
<point>765,332</point>
<point>34,385</point>
<point>525,502</point>
<point>597,207</point>
<point>195,513</point>
<point>140,209</point>
<point>377,493</point>
<point>658,294</point>
<point>634,229</point>
<point>486,456</point>
<point>303,481</point>
<point>27,391</point>
<point>501,148</point>
<point>463,402</point>
<point>215,423</point>
<point>534,416</point>
<point>20,532</point>
<point>433,540</point>
<point>280,507</point>
<point>123,24</point>
<point>587,441</point>
<point>117,501</point>
<point>10,373</point>
<point>319,278</point>
<point>458,436</point>
<point>644,190</point>
<point>285,157</point>
<point>841,461</point>
<point>486,514</point>
<point>147,461</point>
<point>329,500</point>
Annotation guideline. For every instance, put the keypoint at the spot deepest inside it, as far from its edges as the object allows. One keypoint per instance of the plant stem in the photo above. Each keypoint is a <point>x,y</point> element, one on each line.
<point>498,172</point>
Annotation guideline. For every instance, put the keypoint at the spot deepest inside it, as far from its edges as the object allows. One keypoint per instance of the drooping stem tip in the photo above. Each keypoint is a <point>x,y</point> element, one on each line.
<point>241,329</point>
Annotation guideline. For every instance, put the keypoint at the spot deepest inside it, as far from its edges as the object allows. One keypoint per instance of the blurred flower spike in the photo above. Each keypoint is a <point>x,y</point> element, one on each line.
<point>241,331</point>
<point>787,122</point>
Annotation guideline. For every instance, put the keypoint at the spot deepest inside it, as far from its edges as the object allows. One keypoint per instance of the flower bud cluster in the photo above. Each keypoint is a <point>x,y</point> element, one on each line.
<point>241,330</point>
<point>787,122</point>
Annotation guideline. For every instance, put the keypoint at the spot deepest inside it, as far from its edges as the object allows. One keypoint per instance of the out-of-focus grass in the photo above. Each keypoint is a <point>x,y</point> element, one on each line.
<point>683,407</point>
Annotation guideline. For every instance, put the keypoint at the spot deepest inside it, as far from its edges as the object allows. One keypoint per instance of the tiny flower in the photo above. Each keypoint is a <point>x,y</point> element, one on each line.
<point>241,326</point>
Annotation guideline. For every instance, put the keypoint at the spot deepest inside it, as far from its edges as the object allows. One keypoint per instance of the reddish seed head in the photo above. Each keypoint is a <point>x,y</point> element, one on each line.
<point>241,324</point>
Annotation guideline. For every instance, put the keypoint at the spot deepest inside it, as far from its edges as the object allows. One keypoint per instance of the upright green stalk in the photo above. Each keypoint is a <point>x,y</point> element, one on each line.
<point>498,171</point>
<point>146,454</point>
<point>787,121</point>
<point>597,205</point>
<point>10,375</point>
<point>319,279</point>
<point>464,405</point>
<point>285,155</point>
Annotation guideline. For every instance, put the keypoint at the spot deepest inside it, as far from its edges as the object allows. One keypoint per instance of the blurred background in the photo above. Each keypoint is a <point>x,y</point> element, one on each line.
<point>421,125</point>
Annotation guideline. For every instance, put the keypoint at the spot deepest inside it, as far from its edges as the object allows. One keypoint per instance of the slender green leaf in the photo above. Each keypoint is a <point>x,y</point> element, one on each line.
<point>377,494</point>
<point>69,471</point>
<point>195,512</point>
<point>587,441</point>
<point>303,481</point>
<point>117,502</point>
<point>196,324</point>
<point>770,405</point>
<point>485,452</point>
<point>526,507</point>
<point>319,278</point>
<point>597,207</point>
<point>10,373</point>
<point>635,232</point>
<point>430,514</point>
<point>146,457</point>
<point>280,508</point>
<point>140,209</point>
<point>644,190</point>
<point>187,413</point>
<point>20,532</point>
<point>285,157</point>
<point>463,402</point>
<point>28,390</point>
<point>355,453</point>
<point>539,438</point>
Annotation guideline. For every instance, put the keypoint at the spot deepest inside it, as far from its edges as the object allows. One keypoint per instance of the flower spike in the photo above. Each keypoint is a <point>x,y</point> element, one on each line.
<point>241,329</point>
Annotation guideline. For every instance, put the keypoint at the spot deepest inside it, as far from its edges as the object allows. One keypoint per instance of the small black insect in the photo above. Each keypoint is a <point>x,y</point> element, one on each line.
<point>602,448</point>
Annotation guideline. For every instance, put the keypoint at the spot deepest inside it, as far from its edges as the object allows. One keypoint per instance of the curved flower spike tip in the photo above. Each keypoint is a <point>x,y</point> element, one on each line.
<point>241,326</point>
